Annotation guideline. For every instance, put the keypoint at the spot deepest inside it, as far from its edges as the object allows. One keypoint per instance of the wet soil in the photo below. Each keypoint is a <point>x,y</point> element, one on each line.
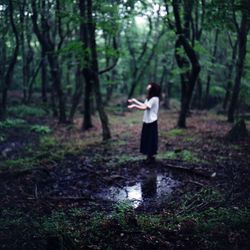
<point>97,178</point>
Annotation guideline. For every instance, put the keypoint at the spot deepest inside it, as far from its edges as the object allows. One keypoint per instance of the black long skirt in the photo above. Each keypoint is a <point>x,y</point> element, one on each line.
<point>149,138</point>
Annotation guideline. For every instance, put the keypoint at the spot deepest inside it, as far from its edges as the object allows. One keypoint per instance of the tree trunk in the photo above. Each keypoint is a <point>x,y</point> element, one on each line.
<point>44,77</point>
<point>242,37</point>
<point>56,77</point>
<point>230,75</point>
<point>189,78</point>
<point>77,93</point>
<point>85,71</point>
<point>94,74</point>
<point>10,69</point>
<point>209,71</point>
<point>50,49</point>
<point>87,121</point>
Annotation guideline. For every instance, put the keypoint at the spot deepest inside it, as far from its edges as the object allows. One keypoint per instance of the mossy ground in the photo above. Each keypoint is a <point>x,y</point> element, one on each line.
<point>208,214</point>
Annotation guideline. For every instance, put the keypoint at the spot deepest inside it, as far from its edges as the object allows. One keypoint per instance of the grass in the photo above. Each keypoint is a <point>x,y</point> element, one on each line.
<point>22,111</point>
<point>184,155</point>
<point>210,226</point>
<point>19,163</point>
<point>40,129</point>
<point>13,123</point>
<point>173,132</point>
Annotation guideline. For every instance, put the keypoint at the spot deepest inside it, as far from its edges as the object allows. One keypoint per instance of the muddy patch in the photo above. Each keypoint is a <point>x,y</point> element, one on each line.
<point>146,187</point>
<point>152,187</point>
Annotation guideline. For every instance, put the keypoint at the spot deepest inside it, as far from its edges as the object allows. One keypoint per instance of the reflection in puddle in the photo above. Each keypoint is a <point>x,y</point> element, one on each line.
<point>153,186</point>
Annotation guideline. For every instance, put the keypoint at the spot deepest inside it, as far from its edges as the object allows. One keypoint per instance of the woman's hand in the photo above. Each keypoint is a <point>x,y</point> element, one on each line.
<point>131,106</point>
<point>130,100</point>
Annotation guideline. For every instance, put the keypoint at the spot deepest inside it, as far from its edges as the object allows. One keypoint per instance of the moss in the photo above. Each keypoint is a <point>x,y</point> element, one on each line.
<point>173,132</point>
<point>24,111</point>
<point>13,123</point>
<point>167,155</point>
<point>184,155</point>
<point>40,129</point>
<point>19,163</point>
<point>189,139</point>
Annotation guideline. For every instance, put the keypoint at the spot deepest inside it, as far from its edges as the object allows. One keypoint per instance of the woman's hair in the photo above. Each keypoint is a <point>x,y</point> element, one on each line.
<point>155,90</point>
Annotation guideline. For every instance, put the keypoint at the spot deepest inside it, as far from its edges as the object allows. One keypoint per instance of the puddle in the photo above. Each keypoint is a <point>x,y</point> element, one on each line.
<point>152,187</point>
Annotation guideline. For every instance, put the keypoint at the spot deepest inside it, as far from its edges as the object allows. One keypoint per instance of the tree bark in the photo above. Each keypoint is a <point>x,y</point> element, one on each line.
<point>188,78</point>
<point>77,93</point>
<point>50,49</point>
<point>44,76</point>
<point>209,71</point>
<point>85,70</point>
<point>242,37</point>
<point>10,69</point>
<point>94,75</point>
<point>230,75</point>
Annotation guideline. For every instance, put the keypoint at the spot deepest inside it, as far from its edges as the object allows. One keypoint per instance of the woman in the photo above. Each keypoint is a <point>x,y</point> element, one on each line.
<point>149,134</point>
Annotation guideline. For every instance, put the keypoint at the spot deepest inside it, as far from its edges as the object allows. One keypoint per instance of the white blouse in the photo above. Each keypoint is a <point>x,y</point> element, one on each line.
<point>151,113</point>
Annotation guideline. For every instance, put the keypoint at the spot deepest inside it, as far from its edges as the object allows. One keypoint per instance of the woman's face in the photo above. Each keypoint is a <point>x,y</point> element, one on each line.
<point>149,87</point>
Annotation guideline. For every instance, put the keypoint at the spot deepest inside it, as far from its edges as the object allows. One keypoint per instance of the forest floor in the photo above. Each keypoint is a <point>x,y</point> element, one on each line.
<point>61,188</point>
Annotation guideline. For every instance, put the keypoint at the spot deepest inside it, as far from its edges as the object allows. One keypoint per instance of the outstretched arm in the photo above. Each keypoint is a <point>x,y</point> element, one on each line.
<point>136,106</point>
<point>133,100</point>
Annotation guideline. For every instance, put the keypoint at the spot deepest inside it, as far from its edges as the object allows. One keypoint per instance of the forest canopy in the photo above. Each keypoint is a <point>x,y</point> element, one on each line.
<point>74,55</point>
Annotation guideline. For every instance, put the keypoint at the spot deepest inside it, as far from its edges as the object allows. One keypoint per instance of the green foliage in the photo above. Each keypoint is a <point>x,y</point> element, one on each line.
<point>126,158</point>
<point>13,123</point>
<point>217,91</point>
<point>184,155</point>
<point>78,49</point>
<point>236,219</point>
<point>150,222</point>
<point>174,132</point>
<point>47,142</point>
<point>122,210</point>
<point>40,129</point>
<point>58,223</point>
<point>245,91</point>
<point>201,50</point>
<point>19,163</point>
<point>167,155</point>
<point>189,139</point>
<point>178,71</point>
<point>24,111</point>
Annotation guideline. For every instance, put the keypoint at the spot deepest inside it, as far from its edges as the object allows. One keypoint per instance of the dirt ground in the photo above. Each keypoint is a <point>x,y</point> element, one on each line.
<point>76,170</point>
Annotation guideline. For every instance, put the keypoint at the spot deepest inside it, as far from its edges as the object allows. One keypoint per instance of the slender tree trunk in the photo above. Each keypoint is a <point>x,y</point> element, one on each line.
<point>32,81</point>
<point>209,71</point>
<point>230,75</point>
<point>242,37</point>
<point>23,50</point>
<point>94,75</point>
<point>77,93</point>
<point>85,71</point>
<point>56,77</point>
<point>44,76</point>
<point>50,49</point>
<point>87,121</point>
<point>10,69</point>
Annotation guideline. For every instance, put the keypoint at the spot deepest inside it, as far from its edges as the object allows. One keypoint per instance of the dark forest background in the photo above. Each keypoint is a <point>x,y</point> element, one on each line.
<point>81,55</point>
<point>71,175</point>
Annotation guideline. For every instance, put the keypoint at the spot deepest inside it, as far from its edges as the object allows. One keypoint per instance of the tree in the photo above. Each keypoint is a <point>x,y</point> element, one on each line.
<point>242,31</point>
<point>188,76</point>
<point>50,47</point>
<point>90,69</point>
<point>9,72</point>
